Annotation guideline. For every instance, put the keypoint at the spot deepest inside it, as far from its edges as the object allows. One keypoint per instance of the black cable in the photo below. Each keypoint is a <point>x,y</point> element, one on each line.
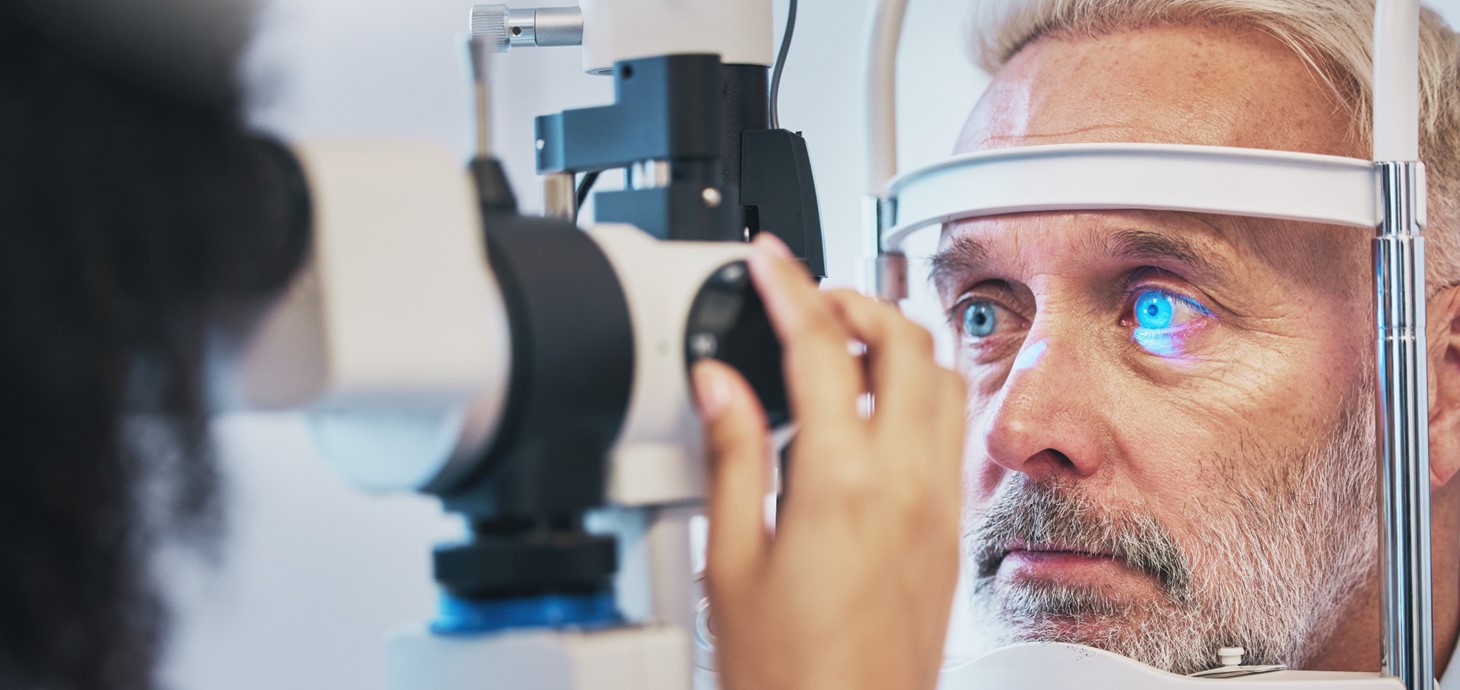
<point>781,65</point>
<point>585,186</point>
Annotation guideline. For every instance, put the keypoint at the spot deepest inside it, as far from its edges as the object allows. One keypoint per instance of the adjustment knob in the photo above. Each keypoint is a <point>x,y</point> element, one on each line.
<point>502,27</point>
<point>489,24</point>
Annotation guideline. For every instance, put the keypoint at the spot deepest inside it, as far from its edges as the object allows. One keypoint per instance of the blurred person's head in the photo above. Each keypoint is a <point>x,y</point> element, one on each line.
<point>1171,429</point>
<point>131,199</point>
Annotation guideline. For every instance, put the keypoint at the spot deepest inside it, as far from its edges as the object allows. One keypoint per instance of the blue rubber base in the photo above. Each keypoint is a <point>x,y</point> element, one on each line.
<point>462,617</point>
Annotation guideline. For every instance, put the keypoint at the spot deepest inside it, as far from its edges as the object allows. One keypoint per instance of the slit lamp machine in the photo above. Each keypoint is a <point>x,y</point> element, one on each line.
<point>533,375</point>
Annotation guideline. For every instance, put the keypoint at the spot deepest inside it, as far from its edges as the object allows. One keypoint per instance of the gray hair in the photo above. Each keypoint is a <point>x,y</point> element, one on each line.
<point>1334,37</point>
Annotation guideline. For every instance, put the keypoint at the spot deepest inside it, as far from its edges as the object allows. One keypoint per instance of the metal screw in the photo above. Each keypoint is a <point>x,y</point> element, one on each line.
<point>704,345</point>
<point>1231,656</point>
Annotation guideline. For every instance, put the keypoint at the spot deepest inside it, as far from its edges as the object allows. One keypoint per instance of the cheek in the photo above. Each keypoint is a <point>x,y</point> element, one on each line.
<point>1196,459</point>
<point>1162,445</point>
<point>1170,447</point>
<point>1275,395</point>
<point>1252,390</point>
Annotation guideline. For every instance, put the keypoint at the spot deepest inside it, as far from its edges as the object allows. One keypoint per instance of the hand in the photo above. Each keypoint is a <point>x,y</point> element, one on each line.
<point>855,588</point>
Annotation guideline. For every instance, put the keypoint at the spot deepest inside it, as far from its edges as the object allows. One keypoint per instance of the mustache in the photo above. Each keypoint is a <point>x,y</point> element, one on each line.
<point>1056,513</point>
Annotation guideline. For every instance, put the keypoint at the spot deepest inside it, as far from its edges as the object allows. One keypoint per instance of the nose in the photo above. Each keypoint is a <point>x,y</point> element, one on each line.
<point>1045,420</point>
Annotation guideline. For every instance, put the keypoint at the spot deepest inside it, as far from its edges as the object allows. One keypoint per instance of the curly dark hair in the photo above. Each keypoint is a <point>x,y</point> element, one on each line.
<point>128,211</point>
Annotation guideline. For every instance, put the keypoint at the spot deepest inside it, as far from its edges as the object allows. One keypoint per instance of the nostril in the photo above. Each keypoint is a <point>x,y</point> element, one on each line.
<point>1058,458</point>
<point>1045,463</point>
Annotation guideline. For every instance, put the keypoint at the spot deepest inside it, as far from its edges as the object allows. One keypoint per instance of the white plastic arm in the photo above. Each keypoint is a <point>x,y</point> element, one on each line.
<point>883,37</point>
<point>1396,81</point>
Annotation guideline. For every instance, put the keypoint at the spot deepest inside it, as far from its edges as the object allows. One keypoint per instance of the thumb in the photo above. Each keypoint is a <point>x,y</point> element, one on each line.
<point>737,442</point>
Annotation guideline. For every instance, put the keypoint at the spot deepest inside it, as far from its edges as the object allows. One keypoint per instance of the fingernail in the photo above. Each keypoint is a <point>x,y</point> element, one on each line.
<point>772,244</point>
<point>712,390</point>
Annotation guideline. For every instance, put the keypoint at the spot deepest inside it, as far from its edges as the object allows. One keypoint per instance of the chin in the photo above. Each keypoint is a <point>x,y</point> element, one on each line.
<point>1150,630</point>
<point>1090,631</point>
<point>1112,632</point>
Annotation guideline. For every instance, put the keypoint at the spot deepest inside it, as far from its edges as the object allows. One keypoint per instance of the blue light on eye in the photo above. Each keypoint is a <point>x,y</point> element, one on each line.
<point>1154,310</point>
<point>979,319</point>
<point>1160,343</point>
<point>1162,319</point>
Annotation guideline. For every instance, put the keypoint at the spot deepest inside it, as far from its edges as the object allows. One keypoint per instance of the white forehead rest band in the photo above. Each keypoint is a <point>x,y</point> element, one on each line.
<point>1159,177</point>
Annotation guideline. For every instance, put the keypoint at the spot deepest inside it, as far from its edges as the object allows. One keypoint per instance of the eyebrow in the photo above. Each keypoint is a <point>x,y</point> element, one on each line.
<point>966,255</point>
<point>1145,246</point>
<point>962,256</point>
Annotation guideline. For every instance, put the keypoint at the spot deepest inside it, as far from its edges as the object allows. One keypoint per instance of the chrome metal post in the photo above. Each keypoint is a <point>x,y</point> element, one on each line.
<point>478,50</point>
<point>886,269</point>
<point>560,196</point>
<point>1403,411</point>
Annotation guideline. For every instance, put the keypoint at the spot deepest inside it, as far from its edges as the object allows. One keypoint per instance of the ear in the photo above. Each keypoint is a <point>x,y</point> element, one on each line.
<point>1443,349</point>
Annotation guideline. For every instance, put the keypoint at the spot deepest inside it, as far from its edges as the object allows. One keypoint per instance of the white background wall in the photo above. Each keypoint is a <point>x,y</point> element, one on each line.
<point>315,576</point>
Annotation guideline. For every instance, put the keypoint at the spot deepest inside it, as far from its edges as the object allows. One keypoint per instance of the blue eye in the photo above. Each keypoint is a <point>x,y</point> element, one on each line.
<point>1160,310</point>
<point>1160,320</point>
<point>980,319</point>
<point>1155,310</point>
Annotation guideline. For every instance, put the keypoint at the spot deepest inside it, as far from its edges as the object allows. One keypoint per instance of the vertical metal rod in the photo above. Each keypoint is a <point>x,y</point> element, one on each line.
<point>479,51</point>
<point>885,266</point>
<point>560,196</point>
<point>1403,406</point>
<point>871,243</point>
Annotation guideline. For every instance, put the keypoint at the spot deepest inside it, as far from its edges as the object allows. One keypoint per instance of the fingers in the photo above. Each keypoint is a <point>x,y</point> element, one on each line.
<point>823,379</point>
<point>920,405</point>
<point>918,402</point>
<point>903,372</point>
<point>737,442</point>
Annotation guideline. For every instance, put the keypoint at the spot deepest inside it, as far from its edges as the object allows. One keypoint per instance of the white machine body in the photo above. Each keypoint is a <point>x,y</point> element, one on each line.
<point>658,459</point>
<point>392,335</point>
<point>394,340</point>
<point>397,261</point>
<point>739,31</point>
<point>658,467</point>
<point>643,658</point>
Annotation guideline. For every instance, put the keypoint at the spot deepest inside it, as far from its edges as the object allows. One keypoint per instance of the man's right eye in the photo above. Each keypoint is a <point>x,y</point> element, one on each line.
<point>979,318</point>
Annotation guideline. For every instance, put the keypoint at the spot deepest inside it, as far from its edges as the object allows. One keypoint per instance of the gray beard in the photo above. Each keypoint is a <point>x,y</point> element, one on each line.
<point>1270,567</point>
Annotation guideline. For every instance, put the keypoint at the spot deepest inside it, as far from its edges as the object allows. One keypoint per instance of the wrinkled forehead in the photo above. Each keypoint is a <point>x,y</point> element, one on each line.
<point>1201,85</point>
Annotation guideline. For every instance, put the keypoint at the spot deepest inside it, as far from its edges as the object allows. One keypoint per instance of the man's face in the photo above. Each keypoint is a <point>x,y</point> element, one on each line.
<point>1170,414</point>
